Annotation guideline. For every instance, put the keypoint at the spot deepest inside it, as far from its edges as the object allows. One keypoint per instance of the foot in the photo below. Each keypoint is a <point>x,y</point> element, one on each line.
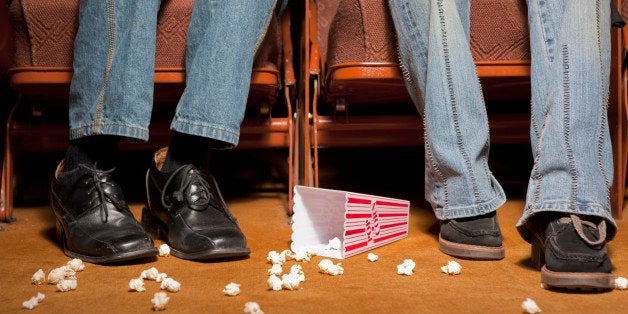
<point>93,221</point>
<point>186,209</point>
<point>476,237</point>
<point>571,252</point>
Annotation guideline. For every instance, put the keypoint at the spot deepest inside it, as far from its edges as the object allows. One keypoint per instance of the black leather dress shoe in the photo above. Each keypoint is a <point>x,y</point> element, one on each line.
<point>93,221</point>
<point>186,209</point>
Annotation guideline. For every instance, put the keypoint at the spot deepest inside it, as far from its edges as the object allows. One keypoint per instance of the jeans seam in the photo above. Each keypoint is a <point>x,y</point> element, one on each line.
<point>452,99</point>
<point>111,33</point>
<point>567,126</point>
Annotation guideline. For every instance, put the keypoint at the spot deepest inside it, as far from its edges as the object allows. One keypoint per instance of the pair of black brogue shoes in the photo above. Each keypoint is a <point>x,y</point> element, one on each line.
<point>184,207</point>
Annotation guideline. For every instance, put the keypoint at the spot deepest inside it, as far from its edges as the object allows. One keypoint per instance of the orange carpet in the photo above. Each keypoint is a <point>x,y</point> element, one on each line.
<point>366,287</point>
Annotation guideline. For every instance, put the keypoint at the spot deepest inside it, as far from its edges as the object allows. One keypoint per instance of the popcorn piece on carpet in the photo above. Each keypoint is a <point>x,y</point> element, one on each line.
<point>76,265</point>
<point>160,300</point>
<point>60,273</point>
<point>39,277</point>
<point>275,258</point>
<point>326,266</point>
<point>170,285</point>
<point>252,308</point>
<point>274,283</point>
<point>372,257</point>
<point>529,306</point>
<point>406,268</point>
<point>65,285</point>
<point>452,268</point>
<point>232,289</point>
<point>150,274</point>
<point>621,283</point>
<point>298,271</point>
<point>137,284</point>
<point>34,301</point>
<point>290,281</point>
<point>275,270</point>
<point>164,250</point>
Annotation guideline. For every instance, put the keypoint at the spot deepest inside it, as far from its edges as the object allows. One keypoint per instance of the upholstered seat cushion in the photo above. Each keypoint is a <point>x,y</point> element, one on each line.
<point>362,31</point>
<point>45,31</point>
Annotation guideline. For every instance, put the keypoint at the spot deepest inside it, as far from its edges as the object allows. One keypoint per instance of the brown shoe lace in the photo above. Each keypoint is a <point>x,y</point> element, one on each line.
<point>578,225</point>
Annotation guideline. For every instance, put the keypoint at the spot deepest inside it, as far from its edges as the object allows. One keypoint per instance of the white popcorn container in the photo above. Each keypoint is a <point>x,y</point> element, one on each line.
<point>362,222</point>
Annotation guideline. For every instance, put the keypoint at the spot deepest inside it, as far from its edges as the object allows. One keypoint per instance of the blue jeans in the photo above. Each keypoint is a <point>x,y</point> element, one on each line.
<point>114,61</point>
<point>570,47</point>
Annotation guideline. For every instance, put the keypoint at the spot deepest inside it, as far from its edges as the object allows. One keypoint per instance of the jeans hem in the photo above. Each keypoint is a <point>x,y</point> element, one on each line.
<point>109,129</point>
<point>590,209</point>
<point>473,210</point>
<point>228,138</point>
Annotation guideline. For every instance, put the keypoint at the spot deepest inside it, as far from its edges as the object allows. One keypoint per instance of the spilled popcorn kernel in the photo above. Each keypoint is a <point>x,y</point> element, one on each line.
<point>621,283</point>
<point>150,274</point>
<point>137,284</point>
<point>275,258</point>
<point>406,268</point>
<point>164,250</point>
<point>286,255</point>
<point>297,270</point>
<point>290,281</point>
<point>170,285</point>
<point>232,289</point>
<point>275,270</point>
<point>60,273</point>
<point>328,267</point>
<point>252,308</point>
<point>65,285</point>
<point>274,283</point>
<point>529,306</point>
<point>160,277</point>
<point>39,277</point>
<point>303,254</point>
<point>76,265</point>
<point>372,257</point>
<point>33,302</point>
<point>334,244</point>
<point>452,268</point>
<point>160,300</point>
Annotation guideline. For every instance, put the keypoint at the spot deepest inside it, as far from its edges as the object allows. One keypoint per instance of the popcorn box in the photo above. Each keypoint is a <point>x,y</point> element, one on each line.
<point>362,222</point>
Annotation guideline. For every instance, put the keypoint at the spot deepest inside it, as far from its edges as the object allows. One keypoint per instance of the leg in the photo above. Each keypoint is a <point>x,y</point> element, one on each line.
<point>111,95</point>
<point>184,202</point>
<point>568,205</point>
<point>440,75</point>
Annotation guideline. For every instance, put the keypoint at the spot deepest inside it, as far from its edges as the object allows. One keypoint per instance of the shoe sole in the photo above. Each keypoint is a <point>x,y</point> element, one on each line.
<point>116,258</point>
<point>469,251</point>
<point>155,229</point>
<point>577,281</point>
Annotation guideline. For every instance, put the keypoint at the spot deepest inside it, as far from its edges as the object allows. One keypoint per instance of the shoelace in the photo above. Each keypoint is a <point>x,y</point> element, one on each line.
<point>99,179</point>
<point>578,225</point>
<point>194,189</point>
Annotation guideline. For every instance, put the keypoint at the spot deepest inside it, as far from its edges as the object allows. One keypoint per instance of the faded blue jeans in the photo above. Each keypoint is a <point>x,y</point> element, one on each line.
<point>114,61</point>
<point>570,47</point>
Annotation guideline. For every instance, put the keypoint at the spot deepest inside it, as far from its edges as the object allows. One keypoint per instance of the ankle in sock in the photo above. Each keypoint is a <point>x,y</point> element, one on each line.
<point>98,152</point>
<point>186,149</point>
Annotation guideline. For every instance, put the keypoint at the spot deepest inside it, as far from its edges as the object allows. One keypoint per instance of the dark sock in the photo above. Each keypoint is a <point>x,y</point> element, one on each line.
<point>186,149</point>
<point>96,152</point>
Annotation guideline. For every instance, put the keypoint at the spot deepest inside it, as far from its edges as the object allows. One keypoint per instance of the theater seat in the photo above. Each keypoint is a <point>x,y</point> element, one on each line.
<point>358,97</point>
<point>44,33</point>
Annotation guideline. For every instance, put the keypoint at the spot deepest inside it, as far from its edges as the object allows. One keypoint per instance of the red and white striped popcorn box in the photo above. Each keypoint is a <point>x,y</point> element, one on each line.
<point>362,222</point>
